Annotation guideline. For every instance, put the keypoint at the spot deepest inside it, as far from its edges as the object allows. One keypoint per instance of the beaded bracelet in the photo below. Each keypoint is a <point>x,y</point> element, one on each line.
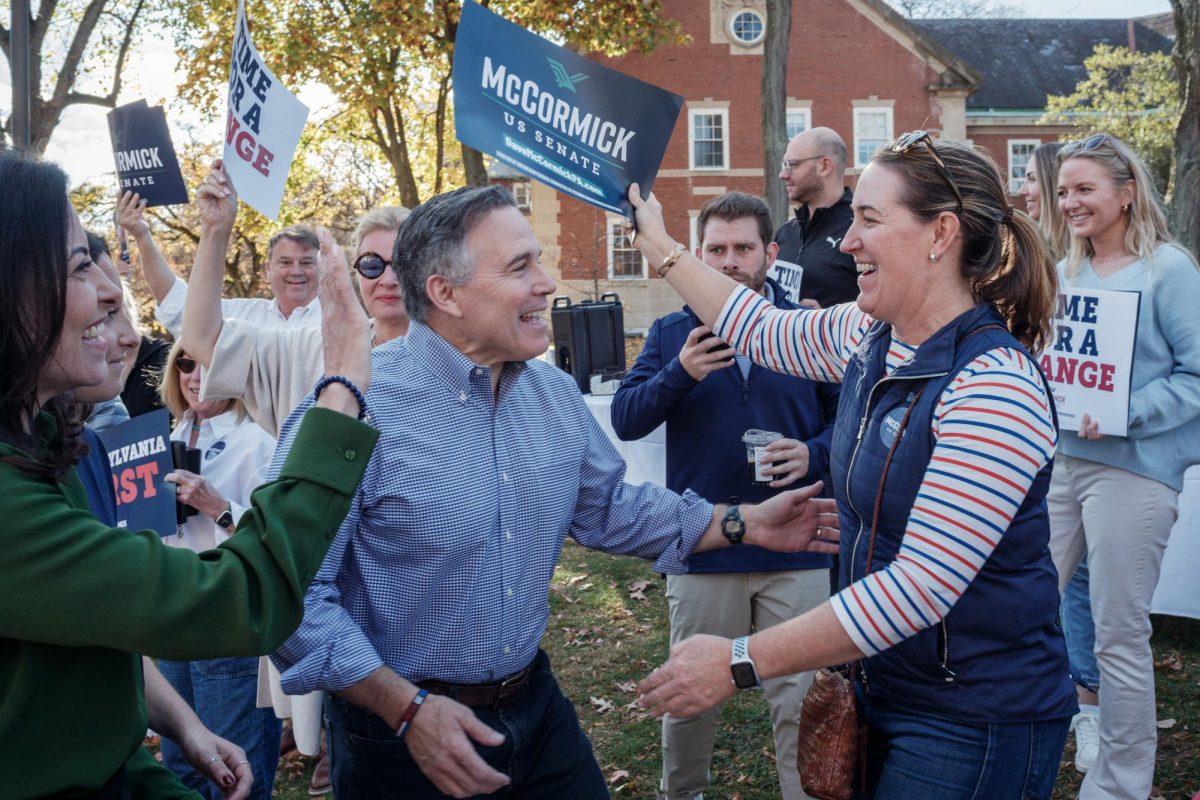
<point>411,712</point>
<point>344,381</point>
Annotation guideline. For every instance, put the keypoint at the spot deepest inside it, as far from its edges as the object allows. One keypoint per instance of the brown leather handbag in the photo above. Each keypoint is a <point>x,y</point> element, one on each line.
<point>831,739</point>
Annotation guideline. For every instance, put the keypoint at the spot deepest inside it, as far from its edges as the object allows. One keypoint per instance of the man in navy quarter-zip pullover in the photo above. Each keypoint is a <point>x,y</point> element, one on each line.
<point>709,399</point>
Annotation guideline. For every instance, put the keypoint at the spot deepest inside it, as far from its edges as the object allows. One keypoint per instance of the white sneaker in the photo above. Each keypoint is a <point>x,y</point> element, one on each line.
<point>1086,725</point>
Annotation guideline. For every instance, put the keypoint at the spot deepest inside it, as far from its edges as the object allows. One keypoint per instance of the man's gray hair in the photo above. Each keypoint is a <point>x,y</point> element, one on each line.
<point>300,234</point>
<point>432,241</point>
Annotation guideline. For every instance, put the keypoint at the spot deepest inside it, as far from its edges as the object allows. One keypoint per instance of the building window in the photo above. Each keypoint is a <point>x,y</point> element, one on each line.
<point>520,193</point>
<point>798,121</point>
<point>624,260</point>
<point>872,129</point>
<point>747,27</point>
<point>708,135</point>
<point>1019,153</point>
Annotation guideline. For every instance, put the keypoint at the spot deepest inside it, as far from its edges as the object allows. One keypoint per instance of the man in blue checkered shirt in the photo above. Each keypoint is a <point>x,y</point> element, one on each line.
<point>425,618</point>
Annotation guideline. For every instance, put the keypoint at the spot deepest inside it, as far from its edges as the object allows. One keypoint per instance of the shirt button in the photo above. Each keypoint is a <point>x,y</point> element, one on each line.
<point>508,535</point>
<point>504,477</point>
<point>507,649</point>
<point>349,455</point>
<point>508,593</point>
<point>462,397</point>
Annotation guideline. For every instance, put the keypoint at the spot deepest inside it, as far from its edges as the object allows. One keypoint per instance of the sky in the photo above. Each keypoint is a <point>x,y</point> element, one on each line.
<point>81,145</point>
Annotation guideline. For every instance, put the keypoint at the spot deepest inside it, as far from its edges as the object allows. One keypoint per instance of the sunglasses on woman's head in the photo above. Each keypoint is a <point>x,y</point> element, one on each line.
<point>908,141</point>
<point>1083,145</point>
<point>371,265</point>
<point>185,364</point>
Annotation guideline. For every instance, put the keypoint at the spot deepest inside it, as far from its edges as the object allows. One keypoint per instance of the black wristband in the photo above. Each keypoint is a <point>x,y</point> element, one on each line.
<point>344,381</point>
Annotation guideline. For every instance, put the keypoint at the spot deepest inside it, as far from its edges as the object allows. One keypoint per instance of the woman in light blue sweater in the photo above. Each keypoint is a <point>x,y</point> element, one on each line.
<point>1113,497</point>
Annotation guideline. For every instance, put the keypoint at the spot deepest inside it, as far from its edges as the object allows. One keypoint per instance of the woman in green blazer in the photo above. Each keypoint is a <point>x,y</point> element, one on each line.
<point>80,602</point>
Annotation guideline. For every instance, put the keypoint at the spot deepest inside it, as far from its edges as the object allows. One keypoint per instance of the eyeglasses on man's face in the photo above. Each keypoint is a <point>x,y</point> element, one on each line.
<point>908,141</point>
<point>787,165</point>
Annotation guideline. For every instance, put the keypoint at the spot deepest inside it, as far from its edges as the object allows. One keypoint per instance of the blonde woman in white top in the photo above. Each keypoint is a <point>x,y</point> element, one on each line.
<point>233,450</point>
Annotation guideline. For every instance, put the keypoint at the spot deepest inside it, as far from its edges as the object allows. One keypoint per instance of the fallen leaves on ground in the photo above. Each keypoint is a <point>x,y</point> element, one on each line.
<point>637,590</point>
<point>1172,661</point>
<point>602,706</point>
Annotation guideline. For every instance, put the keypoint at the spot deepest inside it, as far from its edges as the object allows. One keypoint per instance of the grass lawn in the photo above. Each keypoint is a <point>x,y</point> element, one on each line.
<point>608,628</point>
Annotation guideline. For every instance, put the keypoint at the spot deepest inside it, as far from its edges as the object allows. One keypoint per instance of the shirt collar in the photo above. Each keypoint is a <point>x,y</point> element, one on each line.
<point>299,311</point>
<point>220,425</point>
<point>448,362</point>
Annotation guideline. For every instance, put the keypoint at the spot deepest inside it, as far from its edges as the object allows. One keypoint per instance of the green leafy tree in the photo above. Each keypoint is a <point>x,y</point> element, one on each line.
<point>388,64</point>
<point>1132,95</point>
<point>77,51</point>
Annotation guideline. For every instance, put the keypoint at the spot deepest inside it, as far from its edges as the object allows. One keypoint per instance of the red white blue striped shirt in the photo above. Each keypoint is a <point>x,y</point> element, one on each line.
<point>993,431</point>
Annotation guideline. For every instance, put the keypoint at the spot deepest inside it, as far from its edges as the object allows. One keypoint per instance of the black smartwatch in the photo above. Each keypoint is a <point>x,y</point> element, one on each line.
<point>732,524</point>
<point>225,520</point>
<point>741,666</point>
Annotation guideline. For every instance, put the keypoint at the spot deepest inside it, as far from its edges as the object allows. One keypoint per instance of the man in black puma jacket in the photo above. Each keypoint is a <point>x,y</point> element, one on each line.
<point>813,169</point>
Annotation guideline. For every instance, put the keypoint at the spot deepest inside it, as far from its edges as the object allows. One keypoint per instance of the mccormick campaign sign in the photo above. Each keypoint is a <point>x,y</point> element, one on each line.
<point>1090,363</point>
<point>144,154</point>
<point>139,455</point>
<point>262,126</point>
<point>577,126</point>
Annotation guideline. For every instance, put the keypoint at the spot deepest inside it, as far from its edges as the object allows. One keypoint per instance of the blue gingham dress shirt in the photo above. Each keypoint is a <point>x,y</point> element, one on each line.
<point>442,568</point>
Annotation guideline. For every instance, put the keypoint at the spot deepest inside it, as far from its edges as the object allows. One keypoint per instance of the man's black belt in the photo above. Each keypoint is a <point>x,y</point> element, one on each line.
<point>482,695</point>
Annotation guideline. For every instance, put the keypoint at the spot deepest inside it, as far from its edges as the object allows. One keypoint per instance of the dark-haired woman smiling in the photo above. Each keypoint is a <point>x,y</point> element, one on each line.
<point>82,600</point>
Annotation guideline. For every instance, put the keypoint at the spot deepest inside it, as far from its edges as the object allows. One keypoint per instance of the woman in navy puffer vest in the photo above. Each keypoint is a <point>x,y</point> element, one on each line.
<point>941,460</point>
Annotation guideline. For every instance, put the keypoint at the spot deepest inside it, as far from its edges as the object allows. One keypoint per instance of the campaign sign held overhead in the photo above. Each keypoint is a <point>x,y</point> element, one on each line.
<point>144,154</point>
<point>582,128</point>
<point>139,455</point>
<point>263,124</point>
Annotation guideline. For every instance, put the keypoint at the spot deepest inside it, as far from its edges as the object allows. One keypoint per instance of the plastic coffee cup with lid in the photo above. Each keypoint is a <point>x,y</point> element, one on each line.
<point>756,442</point>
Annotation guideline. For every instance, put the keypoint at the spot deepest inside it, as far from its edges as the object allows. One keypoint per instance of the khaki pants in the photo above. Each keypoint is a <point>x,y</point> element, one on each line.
<point>737,604</point>
<point>1122,521</point>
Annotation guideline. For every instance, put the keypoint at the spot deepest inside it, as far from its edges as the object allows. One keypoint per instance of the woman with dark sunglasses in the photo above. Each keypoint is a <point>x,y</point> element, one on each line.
<point>1115,498</point>
<point>941,460</point>
<point>233,453</point>
<point>81,600</point>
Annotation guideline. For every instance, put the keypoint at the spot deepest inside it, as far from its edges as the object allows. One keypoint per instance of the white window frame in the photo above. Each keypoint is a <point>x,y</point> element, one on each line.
<point>693,230</point>
<point>733,15</point>
<point>616,227</point>
<point>859,111</point>
<point>1014,181</point>
<point>802,111</point>
<point>708,111</point>
<point>527,190</point>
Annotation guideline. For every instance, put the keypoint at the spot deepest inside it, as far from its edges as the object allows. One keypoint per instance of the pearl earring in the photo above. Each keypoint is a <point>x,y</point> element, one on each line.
<point>932,257</point>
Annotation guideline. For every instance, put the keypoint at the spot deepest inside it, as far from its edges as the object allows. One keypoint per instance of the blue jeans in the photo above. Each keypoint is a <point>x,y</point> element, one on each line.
<point>222,691</point>
<point>1080,629</point>
<point>545,752</point>
<point>914,755</point>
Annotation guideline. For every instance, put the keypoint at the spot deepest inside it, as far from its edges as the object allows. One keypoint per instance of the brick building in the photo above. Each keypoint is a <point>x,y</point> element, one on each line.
<point>855,66</point>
